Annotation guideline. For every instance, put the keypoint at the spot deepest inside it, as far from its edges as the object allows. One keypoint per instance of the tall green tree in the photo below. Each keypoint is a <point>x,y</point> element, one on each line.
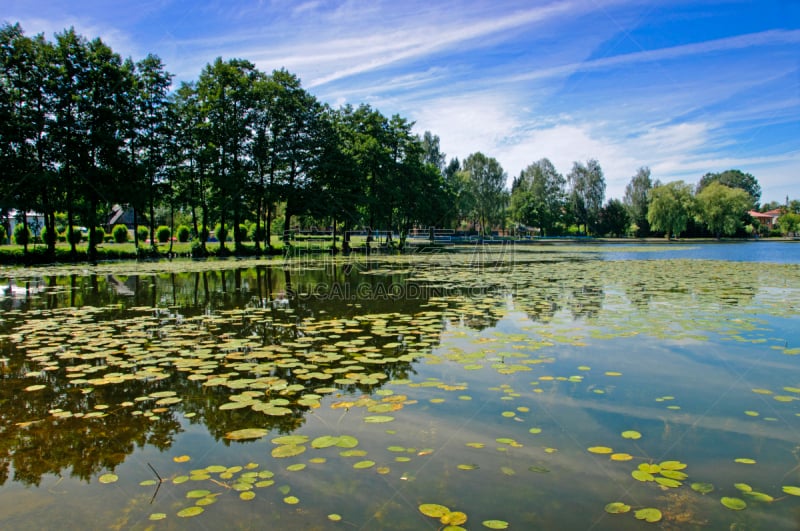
<point>614,218</point>
<point>671,206</point>
<point>225,96</point>
<point>539,195</point>
<point>487,181</point>
<point>636,199</point>
<point>587,188</point>
<point>154,134</point>
<point>734,179</point>
<point>722,208</point>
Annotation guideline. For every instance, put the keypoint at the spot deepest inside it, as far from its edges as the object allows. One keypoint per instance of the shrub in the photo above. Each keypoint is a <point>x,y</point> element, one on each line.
<point>259,234</point>
<point>163,233</point>
<point>77,236</point>
<point>99,235</point>
<point>2,234</point>
<point>142,233</point>
<point>120,233</point>
<point>183,233</point>
<point>221,232</point>
<point>242,232</point>
<point>22,234</point>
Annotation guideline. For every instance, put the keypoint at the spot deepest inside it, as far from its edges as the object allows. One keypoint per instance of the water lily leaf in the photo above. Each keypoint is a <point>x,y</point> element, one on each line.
<point>465,466</point>
<point>642,475</point>
<point>346,441</point>
<point>194,510</point>
<point>507,470</point>
<point>455,518</point>
<point>364,464</point>
<point>674,474</point>
<point>621,457</point>
<point>745,461</point>
<point>378,419</point>
<point>333,517</point>
<point>36,387</point>
<point>247,495</point>
<point>296,467</point>
<point>744,487</point>
<point>246,433</point>
<point>792,490</point>
<point>325,441</point>
<point>290,439</point>
<point>495,524</point>
<point>291,500</point>
<point>734,504</point>
<point>760,496</point>
<point>648,514</point>
<point>672,465</point>
<point>538,469</point>
<point>157,516</point>
<point>631,434</point>
<point>287,450</point>
<point>600,450</point>
<point>434,510</point>
<point>649,467</point>
<point>108,478</point>
<point>667,482</point>
<point>200,493</point>
<point>181,458</point>
<point>705,488</point>
<point>617,508</point>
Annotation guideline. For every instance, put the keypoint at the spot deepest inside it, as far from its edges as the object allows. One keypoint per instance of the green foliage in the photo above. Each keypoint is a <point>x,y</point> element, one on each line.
<point>142,233</point>
<point>99,235</point>
<point>636,200</point>
<point>486,183</point>
<point>183,233</point>
<point>120,233</point>
<point>722,208</point>
<point>221,232</point>
<point>538,197</point>
<point>587,191</point>
<point>163,233</point>
<point>734,179</point>
<point>2,234</point>
<point>242,232</point>
<point>614,219</point>
<point>74,237</point>
<point>671,206</point>
<point>789,223</point>
<point>22,234</point>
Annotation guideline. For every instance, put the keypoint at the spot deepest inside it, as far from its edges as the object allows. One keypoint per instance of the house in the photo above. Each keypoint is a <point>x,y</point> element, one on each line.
<point>767,219</point>
<point>35,221</point>
<point>123,215</point>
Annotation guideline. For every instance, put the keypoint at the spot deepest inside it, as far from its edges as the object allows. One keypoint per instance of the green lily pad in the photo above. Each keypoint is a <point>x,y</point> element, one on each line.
<point>617,508</point>
<point>745,461</point>
<point>791,490</point>
<point>287,450</point>
<point>631,434</point>
<point>246,433</point>
<point>434,510</point>
<point>378,419</point>
<point>157,516</point>
<point>641,475</point>
<point>734,504</point>
<point>705,488</point>
<point>495,524</point>
<point>108,478</point>
<point>325,441</point>
<point>364,464</point>
<point>648,514</point>
<point>194,510</point>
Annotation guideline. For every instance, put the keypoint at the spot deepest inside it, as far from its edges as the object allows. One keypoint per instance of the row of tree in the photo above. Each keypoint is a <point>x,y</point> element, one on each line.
<point>82,129</point>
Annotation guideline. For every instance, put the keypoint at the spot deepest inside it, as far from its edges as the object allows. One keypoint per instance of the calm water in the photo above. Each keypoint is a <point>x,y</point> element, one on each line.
<point>497,382</point>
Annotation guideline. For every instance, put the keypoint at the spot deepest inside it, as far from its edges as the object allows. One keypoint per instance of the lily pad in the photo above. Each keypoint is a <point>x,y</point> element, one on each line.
<point>495,524</point>
<point>108,478</point>
<point>648,514</point>
<point>434,510</point>
<point>617,508</point>
<point>194,510</point>
<point>791,490</point>
<point>734,504</point>
<point>631,434</point>
<point>246,433</point>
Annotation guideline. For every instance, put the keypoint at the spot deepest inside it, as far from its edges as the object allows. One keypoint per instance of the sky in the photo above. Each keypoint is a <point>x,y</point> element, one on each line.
<point>682,87</point>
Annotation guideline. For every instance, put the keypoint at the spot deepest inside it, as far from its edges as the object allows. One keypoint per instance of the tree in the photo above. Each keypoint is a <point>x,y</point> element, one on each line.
<point>636,199</point>
<point>789,223</point>
<point>432,152</point>
<point>671,206</point>
<point>538,196</point>
<point>734,179</point>
<point>587,191</point>
<point>722,208</point>
<point>614,218</point>
<point>487,185</point>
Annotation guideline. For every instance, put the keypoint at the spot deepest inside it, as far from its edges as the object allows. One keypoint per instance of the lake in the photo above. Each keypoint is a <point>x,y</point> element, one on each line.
<point>487,387</point>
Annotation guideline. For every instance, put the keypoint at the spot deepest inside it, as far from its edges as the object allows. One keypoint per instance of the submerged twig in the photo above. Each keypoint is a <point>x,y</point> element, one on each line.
<point>160,480</point>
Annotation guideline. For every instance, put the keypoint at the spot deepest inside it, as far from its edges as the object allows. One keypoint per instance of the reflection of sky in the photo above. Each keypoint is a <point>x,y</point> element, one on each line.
<point>772,252</point>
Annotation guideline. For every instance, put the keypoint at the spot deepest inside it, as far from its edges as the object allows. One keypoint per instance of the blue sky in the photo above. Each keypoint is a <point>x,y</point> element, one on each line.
<point>684,87</point>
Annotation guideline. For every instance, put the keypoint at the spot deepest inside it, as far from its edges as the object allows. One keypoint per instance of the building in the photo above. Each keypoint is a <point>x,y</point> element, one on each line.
<point>767,219</point>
